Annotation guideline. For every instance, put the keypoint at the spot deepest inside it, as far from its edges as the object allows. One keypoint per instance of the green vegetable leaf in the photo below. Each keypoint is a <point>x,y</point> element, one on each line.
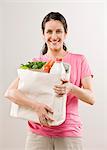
<point>33,65</point>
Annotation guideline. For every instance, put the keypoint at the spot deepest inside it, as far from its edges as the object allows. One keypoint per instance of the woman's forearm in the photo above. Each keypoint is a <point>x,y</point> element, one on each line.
<point>19,98</point>
<point>85,95</point>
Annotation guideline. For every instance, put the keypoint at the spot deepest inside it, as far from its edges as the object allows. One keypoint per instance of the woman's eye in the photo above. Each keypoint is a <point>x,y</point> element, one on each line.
<point>49,31</point>
<point>58,31</point>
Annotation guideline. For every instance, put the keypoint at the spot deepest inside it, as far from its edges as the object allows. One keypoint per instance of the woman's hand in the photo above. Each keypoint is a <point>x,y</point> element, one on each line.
<point>84,93</point>
<point>19,98</point>
<point>63,88</point>
<point>43,111</point>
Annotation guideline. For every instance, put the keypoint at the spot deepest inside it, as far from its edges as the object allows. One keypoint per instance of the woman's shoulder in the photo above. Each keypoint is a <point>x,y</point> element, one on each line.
<point>75,55</point>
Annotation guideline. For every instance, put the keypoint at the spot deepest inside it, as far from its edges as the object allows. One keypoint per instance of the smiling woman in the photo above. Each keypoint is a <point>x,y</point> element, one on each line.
<point>54,35</point>
<point>66,136</point>
<point>54,29</point>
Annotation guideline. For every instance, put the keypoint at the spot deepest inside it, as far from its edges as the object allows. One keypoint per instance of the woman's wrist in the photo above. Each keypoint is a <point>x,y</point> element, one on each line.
<point>33,105</point>
<point>71,87</point>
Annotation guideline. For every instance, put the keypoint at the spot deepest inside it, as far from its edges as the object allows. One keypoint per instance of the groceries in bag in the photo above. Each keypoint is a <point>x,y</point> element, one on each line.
<point>37,84</point>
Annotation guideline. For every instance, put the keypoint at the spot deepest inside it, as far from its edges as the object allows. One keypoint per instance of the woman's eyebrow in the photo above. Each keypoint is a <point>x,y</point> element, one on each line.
<point>56,29</point>
<point>49,29</point>
<point>59,29</point>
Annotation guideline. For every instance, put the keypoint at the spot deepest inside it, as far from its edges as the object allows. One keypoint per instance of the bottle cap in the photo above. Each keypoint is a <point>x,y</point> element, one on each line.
<point>58,59</point>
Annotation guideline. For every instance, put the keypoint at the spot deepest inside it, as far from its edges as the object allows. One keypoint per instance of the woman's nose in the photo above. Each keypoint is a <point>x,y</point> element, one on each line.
<point>54,35</point>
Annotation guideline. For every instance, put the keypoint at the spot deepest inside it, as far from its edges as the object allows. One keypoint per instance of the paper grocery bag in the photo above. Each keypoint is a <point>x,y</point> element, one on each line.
<point>38,86</point>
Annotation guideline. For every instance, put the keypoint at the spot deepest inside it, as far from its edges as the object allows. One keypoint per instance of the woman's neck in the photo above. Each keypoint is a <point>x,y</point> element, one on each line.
<point>55,54</point>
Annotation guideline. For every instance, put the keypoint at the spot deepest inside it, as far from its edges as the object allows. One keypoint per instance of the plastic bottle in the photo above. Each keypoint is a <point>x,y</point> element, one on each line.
<point>58,68</point>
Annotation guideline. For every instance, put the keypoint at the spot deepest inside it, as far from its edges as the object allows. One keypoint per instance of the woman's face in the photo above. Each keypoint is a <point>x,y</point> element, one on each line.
<point>54,35</point>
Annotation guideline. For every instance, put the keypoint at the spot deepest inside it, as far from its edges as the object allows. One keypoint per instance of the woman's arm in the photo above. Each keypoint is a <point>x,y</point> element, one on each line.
<point>16,96</point>
<point>85,93</point>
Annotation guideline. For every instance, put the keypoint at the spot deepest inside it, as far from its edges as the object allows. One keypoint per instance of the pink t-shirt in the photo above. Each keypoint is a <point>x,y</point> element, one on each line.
<point>72,126</point>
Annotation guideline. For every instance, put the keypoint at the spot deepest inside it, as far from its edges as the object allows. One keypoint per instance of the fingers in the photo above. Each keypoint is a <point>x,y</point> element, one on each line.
<point>49,109</point>
<point>60,86</point>
<point>49,118</point>
<point>64,81</point>
<point>60,89</point>
<point>45,119</point>
<point>44,113</point>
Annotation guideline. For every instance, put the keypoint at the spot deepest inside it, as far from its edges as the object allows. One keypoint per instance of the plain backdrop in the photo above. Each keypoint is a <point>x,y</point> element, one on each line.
<point>21,40</point>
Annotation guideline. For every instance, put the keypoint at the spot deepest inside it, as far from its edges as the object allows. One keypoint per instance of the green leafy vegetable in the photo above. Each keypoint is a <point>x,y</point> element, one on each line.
<point>32,65</point>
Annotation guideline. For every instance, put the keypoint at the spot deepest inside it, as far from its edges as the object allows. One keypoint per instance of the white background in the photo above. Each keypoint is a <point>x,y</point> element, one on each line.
<point>21,40</point>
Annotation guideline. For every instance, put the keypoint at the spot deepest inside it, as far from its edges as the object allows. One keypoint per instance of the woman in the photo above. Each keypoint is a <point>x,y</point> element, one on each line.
<point>66,136</point>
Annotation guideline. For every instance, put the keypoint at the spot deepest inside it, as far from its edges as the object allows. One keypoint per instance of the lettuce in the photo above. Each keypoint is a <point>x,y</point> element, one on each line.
<point>33,65</point>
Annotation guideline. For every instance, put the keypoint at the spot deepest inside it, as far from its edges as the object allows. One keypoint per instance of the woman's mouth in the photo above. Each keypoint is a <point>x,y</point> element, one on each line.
<point>55,42</point>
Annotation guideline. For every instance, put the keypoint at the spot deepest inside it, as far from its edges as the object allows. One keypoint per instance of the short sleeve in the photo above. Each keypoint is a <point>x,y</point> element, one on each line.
<point>85,68</point>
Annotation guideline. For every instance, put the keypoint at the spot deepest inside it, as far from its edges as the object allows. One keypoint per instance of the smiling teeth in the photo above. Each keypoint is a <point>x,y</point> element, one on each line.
<point>55,42</point>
